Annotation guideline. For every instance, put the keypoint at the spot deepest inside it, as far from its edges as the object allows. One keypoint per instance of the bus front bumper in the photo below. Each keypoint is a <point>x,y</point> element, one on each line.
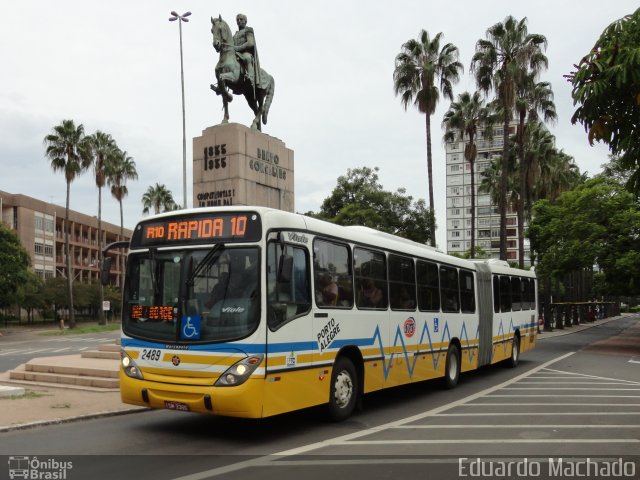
<point>235,401</point>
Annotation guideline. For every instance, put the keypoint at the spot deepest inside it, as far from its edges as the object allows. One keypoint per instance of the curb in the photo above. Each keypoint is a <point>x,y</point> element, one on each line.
<point>559,332</point>
<point>59,421</point>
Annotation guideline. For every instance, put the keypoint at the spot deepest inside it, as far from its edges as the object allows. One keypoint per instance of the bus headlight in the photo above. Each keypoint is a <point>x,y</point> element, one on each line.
<point>239,373</point>
<point>129,366</point>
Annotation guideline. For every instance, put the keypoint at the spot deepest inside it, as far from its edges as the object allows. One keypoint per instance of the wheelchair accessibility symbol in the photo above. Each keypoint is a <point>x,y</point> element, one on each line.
<point>190,327</point>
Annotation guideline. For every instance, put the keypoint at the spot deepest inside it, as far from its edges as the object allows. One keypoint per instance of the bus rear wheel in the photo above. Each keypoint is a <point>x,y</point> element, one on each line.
<point>515,352</point>
<point>452,367</point>
<point>344,390</point>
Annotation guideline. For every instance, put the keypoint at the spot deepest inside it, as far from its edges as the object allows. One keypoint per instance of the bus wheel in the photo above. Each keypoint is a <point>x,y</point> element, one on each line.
<point>344,389</point>
<point>515,352</point>
<point>452,367</point>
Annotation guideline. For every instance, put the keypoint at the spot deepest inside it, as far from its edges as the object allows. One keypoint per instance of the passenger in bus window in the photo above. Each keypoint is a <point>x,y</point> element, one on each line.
<point>218,291</point>
<point>327,293</point>
<point>407,302</point>
<point>371,295</point>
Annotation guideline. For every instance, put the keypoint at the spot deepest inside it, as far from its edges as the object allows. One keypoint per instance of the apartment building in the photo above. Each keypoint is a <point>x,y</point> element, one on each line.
<point>40,228</point>
<point>487,226</point>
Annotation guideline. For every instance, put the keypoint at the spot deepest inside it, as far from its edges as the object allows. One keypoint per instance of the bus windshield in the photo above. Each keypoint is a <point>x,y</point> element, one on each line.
<point>186,296</point>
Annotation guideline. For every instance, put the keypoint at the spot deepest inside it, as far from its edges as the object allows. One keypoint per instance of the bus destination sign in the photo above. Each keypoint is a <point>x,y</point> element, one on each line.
<point>199,228</point>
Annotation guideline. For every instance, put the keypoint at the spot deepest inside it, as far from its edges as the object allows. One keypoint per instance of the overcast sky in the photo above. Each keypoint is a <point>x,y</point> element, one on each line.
<point>114,66</point>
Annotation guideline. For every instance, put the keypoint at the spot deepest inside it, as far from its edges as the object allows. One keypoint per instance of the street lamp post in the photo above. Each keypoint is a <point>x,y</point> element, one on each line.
<point>182,18</point>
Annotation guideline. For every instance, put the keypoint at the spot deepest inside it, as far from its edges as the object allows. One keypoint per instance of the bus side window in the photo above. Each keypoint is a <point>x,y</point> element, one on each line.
<point>467,292</point>
<point>531,294</point>
<point>287,297</point>
<point>496,294</point>
<point>333,281</point>
<point>516,294</point>
<point>402,283</point>
<point>370,272</point>
<point>449,289</point>
<point>505,293</point>
<point>428,286</point>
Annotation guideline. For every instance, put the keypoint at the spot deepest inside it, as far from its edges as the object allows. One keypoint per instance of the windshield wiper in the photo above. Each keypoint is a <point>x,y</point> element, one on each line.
<point>152,272</point>
<point>208,258</point>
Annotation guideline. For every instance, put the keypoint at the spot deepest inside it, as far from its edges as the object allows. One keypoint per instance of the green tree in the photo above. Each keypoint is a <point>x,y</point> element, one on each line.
<point>159,198</point>
<point>54,294</point>
<point>121,168</point>
<point>467,115</point>
<point>103,147</point>
<point>597,223</point>
<point>606,85</point>
<point>14,267</point>
<point>30,294</point>
<point>508,54</point>
<point>68,150</point>
<point>418,67</point>
<point>359,199</point>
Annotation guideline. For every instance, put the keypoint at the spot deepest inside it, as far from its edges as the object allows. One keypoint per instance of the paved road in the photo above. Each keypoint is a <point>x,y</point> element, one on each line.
<point>19,348</point>
<point>575,396</point>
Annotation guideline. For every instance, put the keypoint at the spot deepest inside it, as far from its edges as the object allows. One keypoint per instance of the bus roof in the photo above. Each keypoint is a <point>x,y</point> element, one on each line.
<point>369,237</point>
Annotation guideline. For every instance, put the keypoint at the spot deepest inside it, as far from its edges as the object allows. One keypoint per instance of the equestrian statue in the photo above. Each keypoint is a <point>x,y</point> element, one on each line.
<point>238,69</point>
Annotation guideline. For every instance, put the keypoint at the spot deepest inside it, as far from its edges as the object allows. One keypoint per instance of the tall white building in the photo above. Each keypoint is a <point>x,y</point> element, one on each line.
<point>487,227</point>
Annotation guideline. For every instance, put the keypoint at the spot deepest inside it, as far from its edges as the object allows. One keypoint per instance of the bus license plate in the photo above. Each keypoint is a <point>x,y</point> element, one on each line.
<point>171,405</point>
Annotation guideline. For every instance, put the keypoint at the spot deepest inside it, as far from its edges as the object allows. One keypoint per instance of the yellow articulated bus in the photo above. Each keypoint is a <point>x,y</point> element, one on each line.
<point>253,312</point>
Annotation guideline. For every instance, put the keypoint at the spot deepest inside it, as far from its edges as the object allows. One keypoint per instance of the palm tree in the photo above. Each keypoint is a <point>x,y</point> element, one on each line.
<point>102,148</point>
<point>552,171</point>
<point>504,58</point>
<point>120,169</point>
<point>532,99</point>
<point>159,198</point>
<point>69,152</point>
<point>418,67</point>
<point>491,179</point>
<point>467,115</point>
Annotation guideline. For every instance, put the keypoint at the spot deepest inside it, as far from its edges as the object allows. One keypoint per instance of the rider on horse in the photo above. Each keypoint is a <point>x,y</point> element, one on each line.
<point>245,46</point>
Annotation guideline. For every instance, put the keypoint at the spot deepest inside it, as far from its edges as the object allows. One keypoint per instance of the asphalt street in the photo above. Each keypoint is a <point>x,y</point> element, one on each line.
<point>575,399</point>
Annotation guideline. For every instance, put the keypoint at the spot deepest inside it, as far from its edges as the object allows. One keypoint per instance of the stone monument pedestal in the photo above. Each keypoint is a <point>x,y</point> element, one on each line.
<point>235,165</point>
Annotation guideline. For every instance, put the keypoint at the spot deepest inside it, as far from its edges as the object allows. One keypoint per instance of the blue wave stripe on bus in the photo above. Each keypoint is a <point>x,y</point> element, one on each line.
<point>375,340</point>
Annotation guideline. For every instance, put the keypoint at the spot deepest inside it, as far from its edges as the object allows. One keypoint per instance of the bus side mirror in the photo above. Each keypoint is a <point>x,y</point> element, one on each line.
<point>285,269</point>
<point>105,271</point>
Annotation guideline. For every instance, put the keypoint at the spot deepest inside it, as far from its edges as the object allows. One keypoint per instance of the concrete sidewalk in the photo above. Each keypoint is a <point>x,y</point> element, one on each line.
<point>42,405</point>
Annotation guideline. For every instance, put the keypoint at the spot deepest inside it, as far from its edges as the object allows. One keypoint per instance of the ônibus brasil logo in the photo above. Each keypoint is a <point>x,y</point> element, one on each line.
<point>34,468</point>
<point>409,327</point>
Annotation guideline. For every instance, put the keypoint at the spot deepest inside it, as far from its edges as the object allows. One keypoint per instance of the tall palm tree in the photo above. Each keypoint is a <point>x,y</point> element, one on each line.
<point>467,115</point>
<point>102,148</point>
<point>491,179</point>
<point>418,67</point>
<point>120,169</point>
<point>68,151</point>
<point>504,58</point>
<point>159,198</point>
<point>533,101</point>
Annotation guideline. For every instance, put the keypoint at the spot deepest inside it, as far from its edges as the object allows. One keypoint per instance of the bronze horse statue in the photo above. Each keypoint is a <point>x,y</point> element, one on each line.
<point>231,74</point>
